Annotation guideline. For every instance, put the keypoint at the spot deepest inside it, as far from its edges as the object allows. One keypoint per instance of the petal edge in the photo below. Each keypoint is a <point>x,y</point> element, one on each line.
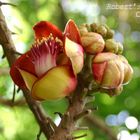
<point>29,78</point>
<point>24,63</point>
<point>56,83</point>
<point>75,52</point>
<point>72,32</point>
<point>44,28</point>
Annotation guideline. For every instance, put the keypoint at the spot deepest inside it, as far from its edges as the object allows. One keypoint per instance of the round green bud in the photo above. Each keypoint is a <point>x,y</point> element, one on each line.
<point>88,27</point>
<point>112,92</point>
<point>118,90</point>
<point>83,29</point>
<point>120,48</point>
<point>101,29</point>
<point>111,46</point>
<point>93,27</point>
<point>110,33</point>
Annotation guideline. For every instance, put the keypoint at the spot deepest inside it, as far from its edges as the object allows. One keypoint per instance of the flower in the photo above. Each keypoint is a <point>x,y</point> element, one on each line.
<point>111,71</point>
<point>50,67</point>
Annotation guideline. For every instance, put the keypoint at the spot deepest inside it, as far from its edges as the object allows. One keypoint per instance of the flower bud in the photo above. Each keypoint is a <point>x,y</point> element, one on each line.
<point>93,27</point>
<point>116,91</point>
<point>111,46</point>
<point>92,42</point>
<point>128,74</point>
<point>110,70</point>
<point>110,33</point>
<point>120,48</point>
<point>112,92</point>
<point>105,70</point>
<point>83,29</point>
<point>128,71</point>
<point>102,30</point>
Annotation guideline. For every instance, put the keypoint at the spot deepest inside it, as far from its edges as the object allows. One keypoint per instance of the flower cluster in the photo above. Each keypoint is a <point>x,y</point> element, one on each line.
<point>110,69</point>
<point>49,69</point>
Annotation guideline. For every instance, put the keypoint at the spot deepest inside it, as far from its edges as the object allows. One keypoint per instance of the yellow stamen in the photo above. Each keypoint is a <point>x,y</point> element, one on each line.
<point>43,39</point>
<point>59,41</point>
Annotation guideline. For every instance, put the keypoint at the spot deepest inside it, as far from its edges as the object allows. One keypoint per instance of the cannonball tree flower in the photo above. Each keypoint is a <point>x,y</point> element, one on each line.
<point>49,69</point>
<point>111,71</point>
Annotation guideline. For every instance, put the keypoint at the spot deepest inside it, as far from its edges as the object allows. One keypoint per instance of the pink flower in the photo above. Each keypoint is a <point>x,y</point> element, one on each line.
<point>50,67</point>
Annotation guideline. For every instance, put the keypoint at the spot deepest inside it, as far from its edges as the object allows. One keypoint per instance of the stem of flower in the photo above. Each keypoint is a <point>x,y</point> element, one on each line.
<point>82,114</point>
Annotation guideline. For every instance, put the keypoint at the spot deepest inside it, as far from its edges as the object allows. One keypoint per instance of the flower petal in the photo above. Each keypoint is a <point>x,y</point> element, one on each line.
<point>24,63</point>
<point>98,71</point>
<point>105,56</point>
<point>121,68</point>
<point>112,75</point>
<point>71,31</point>
<point>29,78</point>
<point>75,52</point>
<point>44,28</point>
<point>128,73</point>
<point>56,83</point>
<point>43,57</point>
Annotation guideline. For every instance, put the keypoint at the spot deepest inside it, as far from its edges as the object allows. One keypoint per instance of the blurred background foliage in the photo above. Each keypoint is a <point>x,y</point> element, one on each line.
<point>121,113</point>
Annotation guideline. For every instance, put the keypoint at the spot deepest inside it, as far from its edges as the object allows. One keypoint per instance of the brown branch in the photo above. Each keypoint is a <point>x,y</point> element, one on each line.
<point>100,124</point>
<point>9,48</point>
<point>5,3</point>
<point>76,107</point>
<point>7,102</point>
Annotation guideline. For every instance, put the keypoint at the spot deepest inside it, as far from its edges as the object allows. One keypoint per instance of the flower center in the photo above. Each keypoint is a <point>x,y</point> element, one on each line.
<point>44,53</point>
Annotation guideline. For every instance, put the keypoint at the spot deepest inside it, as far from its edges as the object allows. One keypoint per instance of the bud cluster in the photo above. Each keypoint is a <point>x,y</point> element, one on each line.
<point>98,38</point>
<point>110,69</point>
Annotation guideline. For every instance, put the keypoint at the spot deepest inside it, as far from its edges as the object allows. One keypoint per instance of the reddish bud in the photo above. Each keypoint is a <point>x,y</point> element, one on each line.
<point>110,70</point>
